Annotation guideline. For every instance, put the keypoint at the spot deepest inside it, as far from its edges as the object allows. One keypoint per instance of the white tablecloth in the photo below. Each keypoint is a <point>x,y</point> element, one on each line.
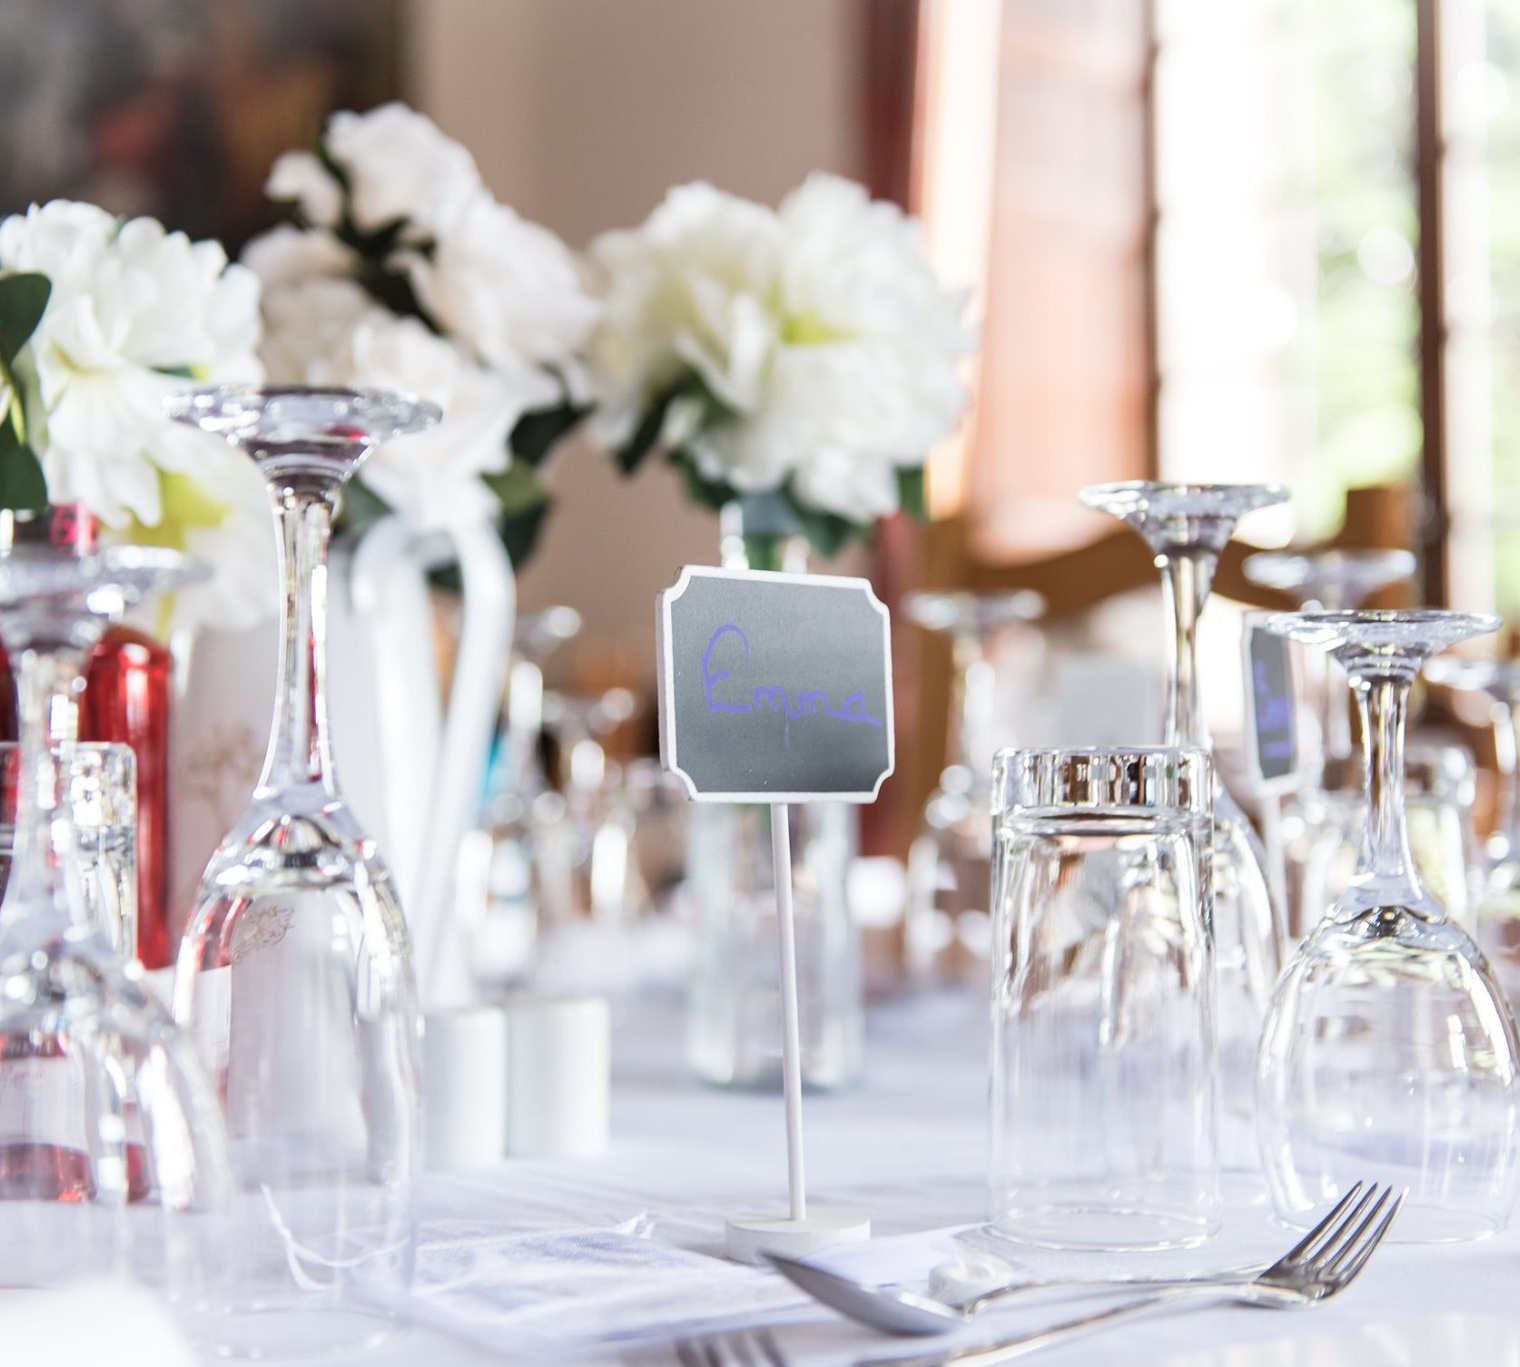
<point>603,1261</point>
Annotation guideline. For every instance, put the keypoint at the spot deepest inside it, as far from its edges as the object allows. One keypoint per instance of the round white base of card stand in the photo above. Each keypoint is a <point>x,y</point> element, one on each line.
<point>751,1233</point>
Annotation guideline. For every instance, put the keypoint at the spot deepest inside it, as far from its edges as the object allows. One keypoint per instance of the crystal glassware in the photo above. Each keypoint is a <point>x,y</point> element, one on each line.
<point>1103,1045</point>
<point>129,683</point>
<point>1389,1051</point>
<point>1337,580</point>
<point>100,783</point>
<point>946,918</point>
<point>295,968</point>
<point>113,1158</point>
<point>1187,526</point>
<point>1496,917</point>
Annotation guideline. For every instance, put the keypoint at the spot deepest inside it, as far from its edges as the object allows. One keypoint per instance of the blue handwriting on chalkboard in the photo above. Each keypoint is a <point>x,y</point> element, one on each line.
<point>774,699</point>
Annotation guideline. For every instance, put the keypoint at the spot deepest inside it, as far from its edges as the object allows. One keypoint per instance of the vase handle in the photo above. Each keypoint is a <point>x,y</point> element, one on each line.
<point>489,610</point>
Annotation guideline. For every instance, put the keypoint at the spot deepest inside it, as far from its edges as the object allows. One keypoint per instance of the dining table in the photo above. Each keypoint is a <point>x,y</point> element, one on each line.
<point>620,1258</point>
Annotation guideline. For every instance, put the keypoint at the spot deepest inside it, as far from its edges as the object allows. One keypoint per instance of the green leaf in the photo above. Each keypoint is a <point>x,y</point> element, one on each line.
<point>762,552</point>
<point>688,385</point>
<point>910,492</point>
<point>362,506</point>
<point>22,484</point>
<point>23,300</point>
<point>393,290</point>
<point>537,433</point>
<point>711,493</point>
<point>517,487</point>
<point>520,532</point>
<point>827,533</point>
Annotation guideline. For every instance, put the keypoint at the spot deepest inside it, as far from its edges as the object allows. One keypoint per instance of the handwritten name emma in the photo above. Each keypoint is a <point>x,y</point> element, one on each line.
<point>772,698</point>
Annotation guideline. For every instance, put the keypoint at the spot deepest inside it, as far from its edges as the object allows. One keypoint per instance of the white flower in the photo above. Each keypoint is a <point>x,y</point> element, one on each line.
<point>400,165</point>
<point>308,323</point>
<point>300,177</point>
<point>286,255</point>
<point>688,289</point>
<point>330,332</point>
<point>128,304</point>
<point>508,288</point>
<point>821,328</point>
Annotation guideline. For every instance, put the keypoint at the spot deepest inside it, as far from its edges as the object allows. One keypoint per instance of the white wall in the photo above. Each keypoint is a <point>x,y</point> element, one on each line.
<point>581,113</point>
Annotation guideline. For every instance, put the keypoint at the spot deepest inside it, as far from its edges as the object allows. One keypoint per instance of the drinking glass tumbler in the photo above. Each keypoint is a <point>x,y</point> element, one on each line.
<point>1103,1032</point>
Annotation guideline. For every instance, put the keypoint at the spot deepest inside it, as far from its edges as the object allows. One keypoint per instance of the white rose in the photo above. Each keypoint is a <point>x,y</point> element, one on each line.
<point>301,179</point>
<point>507,287</point>
<point>400,165</point>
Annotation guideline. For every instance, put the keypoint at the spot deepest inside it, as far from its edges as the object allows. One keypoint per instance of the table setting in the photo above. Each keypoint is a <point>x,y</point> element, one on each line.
<point>375,988</point>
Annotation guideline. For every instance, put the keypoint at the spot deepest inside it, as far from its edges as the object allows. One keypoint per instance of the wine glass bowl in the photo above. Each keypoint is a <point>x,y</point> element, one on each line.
<point>295,969</point>
<point>1182,517</point>
<point>1334,578</point>
<point>1389,1049</point>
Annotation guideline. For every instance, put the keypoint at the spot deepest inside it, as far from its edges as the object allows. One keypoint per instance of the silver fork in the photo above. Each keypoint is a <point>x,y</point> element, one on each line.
<point>1323,1263</point>
<point>737,1348</point>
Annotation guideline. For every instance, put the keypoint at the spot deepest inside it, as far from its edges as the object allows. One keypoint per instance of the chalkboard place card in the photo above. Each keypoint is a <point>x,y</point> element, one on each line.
<point>1271,729</point>
<point>774,687</point>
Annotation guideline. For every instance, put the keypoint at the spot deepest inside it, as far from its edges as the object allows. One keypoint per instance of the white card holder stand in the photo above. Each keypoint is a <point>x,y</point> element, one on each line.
<point>760,674</point>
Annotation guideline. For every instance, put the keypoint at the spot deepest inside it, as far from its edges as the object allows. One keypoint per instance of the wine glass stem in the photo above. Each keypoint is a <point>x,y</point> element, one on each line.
<point>46,682</point>
<point>1186,577</point>
<point>1385,847</point>
<point>1507,756</point>
<point>299,751</point>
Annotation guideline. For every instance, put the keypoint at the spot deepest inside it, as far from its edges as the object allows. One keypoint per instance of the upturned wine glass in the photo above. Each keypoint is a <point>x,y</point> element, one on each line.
<point>1187,526</point>
<point>295,968</point>
<point>1496,919</point>
<point>1319,818</point>
<point>950,862</point>
<point>1389,1051</point>
<point>113,1158</point>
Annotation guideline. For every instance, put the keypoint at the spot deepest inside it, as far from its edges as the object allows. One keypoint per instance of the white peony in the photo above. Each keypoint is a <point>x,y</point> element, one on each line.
<point>286,255</point>
<point>401,165</point>
<point>300,178</point>
<point>690,288</point>
<point>309,322</point>
<point>820,327</point>
<point>134,313</point>
<point>329,332</point>
<point>508,288</point>
<point>129,303</point>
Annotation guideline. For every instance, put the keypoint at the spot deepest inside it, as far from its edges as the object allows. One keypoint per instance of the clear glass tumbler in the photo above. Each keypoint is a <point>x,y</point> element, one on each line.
<point>1103,1033</point>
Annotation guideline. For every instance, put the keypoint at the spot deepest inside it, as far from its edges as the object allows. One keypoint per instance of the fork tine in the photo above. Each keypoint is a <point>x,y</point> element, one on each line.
<point>686,1354</point>
<point>1354,1258</point>
<point>739,1346</point>
<point>771,1348</point>
<point>1348,1239</point>
<point>1318,1232</point>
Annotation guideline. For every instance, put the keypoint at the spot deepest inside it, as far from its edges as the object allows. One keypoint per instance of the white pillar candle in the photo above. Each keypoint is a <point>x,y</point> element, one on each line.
<point>559,1062</point>
<point>464,1088</point>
